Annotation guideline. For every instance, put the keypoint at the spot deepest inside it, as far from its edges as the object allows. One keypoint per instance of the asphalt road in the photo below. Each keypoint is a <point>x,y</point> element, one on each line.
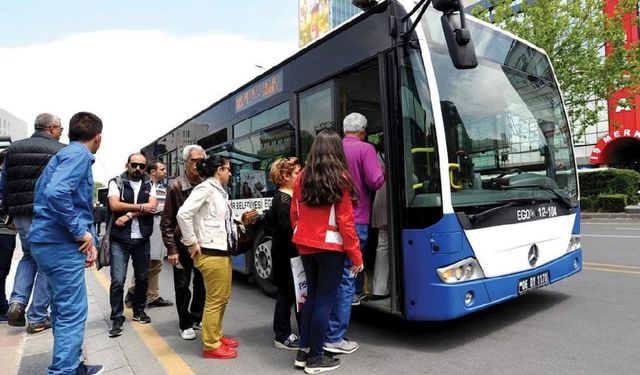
<point>587,324</point>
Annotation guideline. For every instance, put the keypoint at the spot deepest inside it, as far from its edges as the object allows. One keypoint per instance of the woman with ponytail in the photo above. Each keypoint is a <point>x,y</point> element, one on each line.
<point>324,231</point>
<point>209,232</point>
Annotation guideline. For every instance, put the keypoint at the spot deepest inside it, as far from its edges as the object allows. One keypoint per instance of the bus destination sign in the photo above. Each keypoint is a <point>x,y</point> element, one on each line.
<point>260,91</point>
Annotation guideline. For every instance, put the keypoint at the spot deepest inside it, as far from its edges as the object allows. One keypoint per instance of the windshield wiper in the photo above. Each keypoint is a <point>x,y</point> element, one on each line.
<point>564,200</point>
<point>475,218</point>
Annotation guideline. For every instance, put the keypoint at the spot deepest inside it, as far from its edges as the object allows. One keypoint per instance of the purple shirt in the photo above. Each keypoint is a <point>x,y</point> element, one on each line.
<point>366,172</point>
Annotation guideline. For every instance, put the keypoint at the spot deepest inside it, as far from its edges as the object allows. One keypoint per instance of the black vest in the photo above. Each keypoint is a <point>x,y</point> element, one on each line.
<point>126,195</point>
<point>25,162</point>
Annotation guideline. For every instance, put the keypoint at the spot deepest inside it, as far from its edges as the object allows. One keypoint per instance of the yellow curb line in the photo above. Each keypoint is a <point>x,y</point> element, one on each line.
<point>611,270</point>
<point>168,358</point>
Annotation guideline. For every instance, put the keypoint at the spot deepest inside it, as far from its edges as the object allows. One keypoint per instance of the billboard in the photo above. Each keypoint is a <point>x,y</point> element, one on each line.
<point>314,20</point>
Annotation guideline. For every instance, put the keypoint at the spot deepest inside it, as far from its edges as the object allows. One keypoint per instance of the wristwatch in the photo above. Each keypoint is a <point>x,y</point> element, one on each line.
<point>129,215</point>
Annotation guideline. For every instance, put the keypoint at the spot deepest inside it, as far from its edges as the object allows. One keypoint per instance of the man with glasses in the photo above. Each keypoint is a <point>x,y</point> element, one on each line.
<point>189,310</point>
<point>157,171</point>
<point>24,162</point>
<point>132,202</point>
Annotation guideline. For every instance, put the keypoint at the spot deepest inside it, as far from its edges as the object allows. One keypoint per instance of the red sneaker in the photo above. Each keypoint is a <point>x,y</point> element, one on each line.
<point>223,352</point>
<point>229,341</point>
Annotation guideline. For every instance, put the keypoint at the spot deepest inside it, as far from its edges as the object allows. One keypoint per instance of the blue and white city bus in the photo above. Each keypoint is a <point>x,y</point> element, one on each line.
<point>483,201</point>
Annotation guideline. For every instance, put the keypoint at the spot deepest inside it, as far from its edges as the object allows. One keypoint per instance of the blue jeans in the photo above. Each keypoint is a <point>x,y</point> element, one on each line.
<point>362,230</point>
<point>323,272</point>
<point>29,277</point>
<point>64,265</point>
<point>120,252</point>
<point>341,311</point>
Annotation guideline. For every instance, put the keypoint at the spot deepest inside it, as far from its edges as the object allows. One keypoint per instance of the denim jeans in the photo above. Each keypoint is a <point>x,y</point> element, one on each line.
<point>362,230</point>
<point>341,311</point>
<point>120,252</point>
<point>64,266</point>
<point>29,278</point>
<point>7,246</point>
<point>323,272</point>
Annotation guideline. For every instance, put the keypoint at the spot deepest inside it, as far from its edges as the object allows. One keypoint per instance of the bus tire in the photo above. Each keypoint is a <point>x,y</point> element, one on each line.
<point>262,265</point>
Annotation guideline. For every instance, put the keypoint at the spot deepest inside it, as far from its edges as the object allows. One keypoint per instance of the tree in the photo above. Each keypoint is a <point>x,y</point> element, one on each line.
<point>574,34</point>
<point>96,185</point>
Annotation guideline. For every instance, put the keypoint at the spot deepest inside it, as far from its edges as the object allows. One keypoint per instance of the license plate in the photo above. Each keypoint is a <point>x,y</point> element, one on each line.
<point>532,282</point>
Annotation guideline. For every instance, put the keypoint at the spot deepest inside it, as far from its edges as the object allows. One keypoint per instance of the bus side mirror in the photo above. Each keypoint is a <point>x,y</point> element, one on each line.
<point>459,43</point>
<point>458,37</point>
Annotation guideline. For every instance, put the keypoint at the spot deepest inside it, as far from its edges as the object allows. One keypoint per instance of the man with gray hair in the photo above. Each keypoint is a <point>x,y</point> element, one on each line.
<point>24,163</point>
<point>368,177</point>
<point>189,310</point>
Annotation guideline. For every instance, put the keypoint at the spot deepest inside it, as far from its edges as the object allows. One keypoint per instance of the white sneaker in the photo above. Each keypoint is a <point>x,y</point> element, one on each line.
<point>341,347</point>
<point>188,334</point>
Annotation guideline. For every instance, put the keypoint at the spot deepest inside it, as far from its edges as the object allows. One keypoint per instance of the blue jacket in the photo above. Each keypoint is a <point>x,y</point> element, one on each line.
<point>63,197</point>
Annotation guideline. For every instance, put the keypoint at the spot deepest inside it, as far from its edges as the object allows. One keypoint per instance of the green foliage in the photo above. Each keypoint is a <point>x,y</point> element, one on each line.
<point>611,202</point>
<point>96,185</point>
<point>600,190</point>
<point>573,33</point>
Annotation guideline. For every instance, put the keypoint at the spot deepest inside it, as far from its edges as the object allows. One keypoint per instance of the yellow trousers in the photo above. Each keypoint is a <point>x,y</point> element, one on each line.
<point>216,272</point>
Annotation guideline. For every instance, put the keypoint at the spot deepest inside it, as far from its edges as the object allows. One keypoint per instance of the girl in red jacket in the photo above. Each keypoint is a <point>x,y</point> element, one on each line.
<point>324,231</point>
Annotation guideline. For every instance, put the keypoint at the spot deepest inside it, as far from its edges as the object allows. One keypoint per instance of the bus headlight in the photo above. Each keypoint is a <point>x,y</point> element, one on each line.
<point>464,270</point>
<point>574,243</point>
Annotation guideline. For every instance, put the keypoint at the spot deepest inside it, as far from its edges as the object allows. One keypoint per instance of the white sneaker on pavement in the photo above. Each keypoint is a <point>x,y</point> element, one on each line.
<point>188,334</point>
<point>341,347</point>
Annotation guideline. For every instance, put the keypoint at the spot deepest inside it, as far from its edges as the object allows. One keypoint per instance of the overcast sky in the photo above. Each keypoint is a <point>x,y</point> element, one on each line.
<point>143,67</point>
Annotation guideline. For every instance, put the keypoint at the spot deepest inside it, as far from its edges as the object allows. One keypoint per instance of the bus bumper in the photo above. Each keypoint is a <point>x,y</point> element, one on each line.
<point>447,301</point>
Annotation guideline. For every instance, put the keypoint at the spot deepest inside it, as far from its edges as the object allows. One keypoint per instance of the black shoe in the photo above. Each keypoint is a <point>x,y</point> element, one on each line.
<point>377,297</point>
<point>128,300</point>
<point>39,327</point>
<point>301,359</point>
<point>15,314</point>
<point>141,317</point>
<point>89,369</point>
<point>322,363</point>
<point>116,328</point>
<point>160,302</point>
<point>290,343</point>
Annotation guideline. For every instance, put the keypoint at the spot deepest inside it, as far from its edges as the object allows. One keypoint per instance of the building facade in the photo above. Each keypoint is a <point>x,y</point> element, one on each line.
<point>12,126</point>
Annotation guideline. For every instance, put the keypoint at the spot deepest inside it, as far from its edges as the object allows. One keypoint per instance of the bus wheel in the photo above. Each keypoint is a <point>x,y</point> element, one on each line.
<point>262,265</point>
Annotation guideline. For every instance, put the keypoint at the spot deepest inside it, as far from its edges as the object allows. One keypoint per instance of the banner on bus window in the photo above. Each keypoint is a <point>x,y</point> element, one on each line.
<point>299,282</point>
<point>314,20</point>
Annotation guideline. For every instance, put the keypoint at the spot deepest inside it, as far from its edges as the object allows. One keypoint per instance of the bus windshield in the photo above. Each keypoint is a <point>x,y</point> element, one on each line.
<point>507,135</point>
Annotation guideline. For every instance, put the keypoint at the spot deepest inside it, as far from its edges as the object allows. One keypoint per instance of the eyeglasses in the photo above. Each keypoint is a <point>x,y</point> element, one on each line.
<point>227,168</point>
<point>195,160</point>
<point>138,165</point>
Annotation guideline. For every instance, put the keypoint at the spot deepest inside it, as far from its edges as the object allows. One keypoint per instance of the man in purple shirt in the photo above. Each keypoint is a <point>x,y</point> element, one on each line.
<point>368,177</point>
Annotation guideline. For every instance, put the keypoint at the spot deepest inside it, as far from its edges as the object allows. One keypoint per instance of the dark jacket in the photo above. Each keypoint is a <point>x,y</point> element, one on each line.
<point>25,161</point>
<point>177,192</point>
<point>123,233</point>
<point>282,249</point>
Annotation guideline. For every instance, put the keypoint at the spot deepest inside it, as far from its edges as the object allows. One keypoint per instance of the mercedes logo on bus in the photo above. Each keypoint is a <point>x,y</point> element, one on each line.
<point>533,255</point>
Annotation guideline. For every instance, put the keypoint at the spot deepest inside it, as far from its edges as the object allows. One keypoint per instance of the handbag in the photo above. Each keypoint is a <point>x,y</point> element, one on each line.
<point>244,242</point>
<point>103,259</point>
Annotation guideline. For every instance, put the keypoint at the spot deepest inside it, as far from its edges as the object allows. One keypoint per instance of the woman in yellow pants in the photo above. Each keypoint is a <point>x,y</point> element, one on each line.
<point>208,230</point>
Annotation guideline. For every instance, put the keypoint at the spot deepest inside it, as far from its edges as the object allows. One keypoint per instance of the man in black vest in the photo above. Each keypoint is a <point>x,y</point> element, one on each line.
<point>132,202</point>
<point>24,162</point>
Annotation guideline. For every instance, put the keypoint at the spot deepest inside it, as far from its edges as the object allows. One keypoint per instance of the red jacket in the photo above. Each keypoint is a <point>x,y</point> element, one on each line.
<point>327,228</point>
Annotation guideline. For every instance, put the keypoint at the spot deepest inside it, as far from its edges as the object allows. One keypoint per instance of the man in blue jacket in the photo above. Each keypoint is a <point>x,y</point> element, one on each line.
<point>62,241</point>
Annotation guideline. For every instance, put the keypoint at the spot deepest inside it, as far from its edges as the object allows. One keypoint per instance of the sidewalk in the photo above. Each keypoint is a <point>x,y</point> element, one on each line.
<point>31,354</point>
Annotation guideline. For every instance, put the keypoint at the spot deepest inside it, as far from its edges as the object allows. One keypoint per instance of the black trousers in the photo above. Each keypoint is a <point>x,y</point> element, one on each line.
<point>285,300</point>
<point>189,309</point>
<point>7,246</point>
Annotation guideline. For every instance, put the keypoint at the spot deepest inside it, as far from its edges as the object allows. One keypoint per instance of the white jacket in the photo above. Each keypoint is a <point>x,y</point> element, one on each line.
<point>202,216</point>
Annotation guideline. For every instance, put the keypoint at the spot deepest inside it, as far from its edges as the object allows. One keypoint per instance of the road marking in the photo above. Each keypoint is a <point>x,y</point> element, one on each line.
<point>610,265</point>
<point>636,229</point>
<point>168,358</point>
<point>611,270</point>
<point>607,236</point>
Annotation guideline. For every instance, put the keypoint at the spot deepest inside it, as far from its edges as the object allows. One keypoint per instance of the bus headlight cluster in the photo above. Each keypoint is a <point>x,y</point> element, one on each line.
<point>464,270</point>
<point>574,243</point>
